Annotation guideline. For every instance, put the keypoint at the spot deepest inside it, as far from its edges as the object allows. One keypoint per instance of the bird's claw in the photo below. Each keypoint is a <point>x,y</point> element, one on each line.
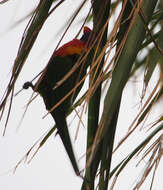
<point>27,85</point>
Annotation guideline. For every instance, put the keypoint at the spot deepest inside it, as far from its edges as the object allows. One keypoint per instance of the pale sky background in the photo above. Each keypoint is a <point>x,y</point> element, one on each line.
<point>51,169</point>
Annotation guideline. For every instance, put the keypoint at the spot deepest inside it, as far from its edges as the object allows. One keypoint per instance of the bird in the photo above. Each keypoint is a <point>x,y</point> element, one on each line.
<point>60,64</point>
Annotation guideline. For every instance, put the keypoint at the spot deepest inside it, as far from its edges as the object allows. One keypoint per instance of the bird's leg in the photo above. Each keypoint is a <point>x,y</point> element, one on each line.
<point>27,85</point>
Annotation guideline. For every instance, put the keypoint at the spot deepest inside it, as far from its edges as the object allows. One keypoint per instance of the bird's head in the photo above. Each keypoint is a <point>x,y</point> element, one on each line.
<point>87,32</point>
<point>76,46</point>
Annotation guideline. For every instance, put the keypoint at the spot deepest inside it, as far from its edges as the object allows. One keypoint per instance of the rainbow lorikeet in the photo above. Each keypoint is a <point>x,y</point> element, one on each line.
<point>61,63</point>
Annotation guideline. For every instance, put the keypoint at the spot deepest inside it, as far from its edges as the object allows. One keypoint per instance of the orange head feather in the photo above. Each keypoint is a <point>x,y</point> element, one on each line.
<point>75,46</point>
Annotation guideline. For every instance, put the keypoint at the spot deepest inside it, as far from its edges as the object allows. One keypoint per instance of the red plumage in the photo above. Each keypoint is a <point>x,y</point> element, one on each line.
<point>73,47</point>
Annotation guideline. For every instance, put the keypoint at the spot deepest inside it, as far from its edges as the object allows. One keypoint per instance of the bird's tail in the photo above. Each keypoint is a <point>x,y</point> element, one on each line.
<point>65,137</point>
